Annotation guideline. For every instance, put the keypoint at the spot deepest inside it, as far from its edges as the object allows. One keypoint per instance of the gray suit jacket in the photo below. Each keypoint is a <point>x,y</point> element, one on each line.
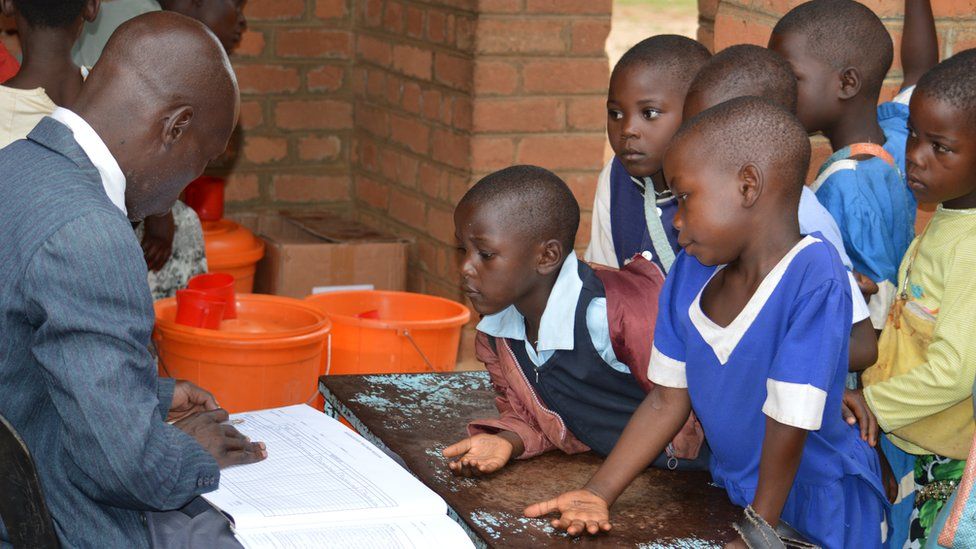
<point>76,378</point>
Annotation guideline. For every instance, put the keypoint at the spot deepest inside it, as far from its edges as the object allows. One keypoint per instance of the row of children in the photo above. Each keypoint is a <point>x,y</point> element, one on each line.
<point>60,41</point>
<point>762,293</point>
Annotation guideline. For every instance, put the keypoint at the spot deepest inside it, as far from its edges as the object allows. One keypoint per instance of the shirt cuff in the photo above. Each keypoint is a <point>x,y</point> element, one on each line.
<point>880,303</point>
<point>860,307</point>
<point>799,405</point>
<point>666,371</point>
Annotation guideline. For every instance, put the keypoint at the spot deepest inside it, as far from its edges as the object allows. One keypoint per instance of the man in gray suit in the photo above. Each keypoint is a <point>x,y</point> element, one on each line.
<point>76,377</point>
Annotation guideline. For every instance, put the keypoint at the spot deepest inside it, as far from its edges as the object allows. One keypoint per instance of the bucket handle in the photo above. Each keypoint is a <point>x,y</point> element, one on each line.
<point>406,333</point>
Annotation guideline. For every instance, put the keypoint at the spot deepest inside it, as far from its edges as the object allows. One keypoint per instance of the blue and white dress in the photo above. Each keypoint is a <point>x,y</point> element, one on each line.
<point>784,356</point>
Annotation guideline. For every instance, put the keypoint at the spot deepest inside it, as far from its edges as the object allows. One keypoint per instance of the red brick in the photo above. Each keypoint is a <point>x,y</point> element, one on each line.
<point>374,51</point>
<point>262,150</point>
<point>735,26</point>
<point>523,114</point>
<point>583,233</point>
<point>412,61</point>
<point>499,6</point>
<point>566,7</point>
<point>566,76</point>
<point>330,9</point>
<point>563,152</point>
<point>457,187</point>
<point>440,224</point>
<point>373,120</point>
<point>330,44</point>
<point>462,112</point>
<point>410,132</point>
<point>369,156</point>
<point>820,151</point>
<point>587,113</point>
<point>415,22</point>
<point>495,77</point>
<point>521,35</point>
<point>406,170</point>
<point>465,29</point>
<point>267,78</point>
<point>407,209</point>
<point>241,188</point>
<point>432,180</point>
<point>357,81</point>
<point>453,71</point>
<point>590,36</point>
<point>410,99</point>
<point>252,44</point>
<point>372,12</point>
<point>583,186</point>
<point>706,34</point>
<point>372,192</point>
<point>388,164</point>
<point>325,78</point>
<point>432,100</point>
<point>274,10</point>
<point>319,148</point>
<point>451,148</point>
<point>393,17</point>
<point>963,38</point>
<point>953,8</point>
<point>325,114</point>
<point>311,188</point>
<point>437,26</point>
<point>252,114</point>
<point>707,8</point>
<point>376,85</point>
<point>491,153</point>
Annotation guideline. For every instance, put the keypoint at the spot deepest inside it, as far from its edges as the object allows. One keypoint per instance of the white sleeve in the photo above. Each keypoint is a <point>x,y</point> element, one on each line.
<point>861,310</point>
<point>601,248</point>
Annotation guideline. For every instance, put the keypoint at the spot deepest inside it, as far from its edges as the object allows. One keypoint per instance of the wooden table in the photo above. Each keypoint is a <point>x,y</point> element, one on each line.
<point>415,416</point>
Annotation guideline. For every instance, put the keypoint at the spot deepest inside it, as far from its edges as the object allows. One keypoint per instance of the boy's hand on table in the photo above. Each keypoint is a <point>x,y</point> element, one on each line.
<point>480,454</point>
<point>157,239</point>
<point>855,409</point>
<point>580,511</point>
<point>225,443</point>
<point>188,399</point>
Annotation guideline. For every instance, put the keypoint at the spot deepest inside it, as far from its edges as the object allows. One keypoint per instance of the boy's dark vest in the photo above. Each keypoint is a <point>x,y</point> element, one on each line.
<point>628,227</point>
<point>593,399</point>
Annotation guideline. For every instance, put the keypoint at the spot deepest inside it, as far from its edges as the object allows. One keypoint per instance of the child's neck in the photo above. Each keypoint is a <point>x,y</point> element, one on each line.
<point>966,202</point>
<point>533,304</point>
<point>48,64</point>
<point>759,258</point>
<point>858,124</point>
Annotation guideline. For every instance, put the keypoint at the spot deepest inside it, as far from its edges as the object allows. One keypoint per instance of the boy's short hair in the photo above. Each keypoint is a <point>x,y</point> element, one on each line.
<point>843,33</point>
<point>534,201</point>
<point>954,82</point>
<point>679,56</point>
<point>747,69</point>
<point>754,129</point>
<point>50,13</point>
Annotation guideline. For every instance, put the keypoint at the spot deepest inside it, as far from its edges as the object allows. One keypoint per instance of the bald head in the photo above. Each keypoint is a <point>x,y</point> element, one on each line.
<point>164,98</point>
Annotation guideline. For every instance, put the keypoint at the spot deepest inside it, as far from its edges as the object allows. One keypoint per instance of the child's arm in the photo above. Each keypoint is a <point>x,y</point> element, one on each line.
<point>781,452</point>
<point>654,423</point>
<point>863,346</point>
<point>919,43</point>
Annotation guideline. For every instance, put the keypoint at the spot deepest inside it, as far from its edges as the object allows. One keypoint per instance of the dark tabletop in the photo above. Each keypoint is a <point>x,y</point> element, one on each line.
<point>416,415</point>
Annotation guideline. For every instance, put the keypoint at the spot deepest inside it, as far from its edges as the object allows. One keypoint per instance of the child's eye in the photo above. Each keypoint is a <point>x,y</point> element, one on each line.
<point>911,132</point>
<point>681,197</point>
<point>460,250</point>
<point>614,115</point>
<point>940,148</point>
<point>486,255</point>
<point>651,114</point>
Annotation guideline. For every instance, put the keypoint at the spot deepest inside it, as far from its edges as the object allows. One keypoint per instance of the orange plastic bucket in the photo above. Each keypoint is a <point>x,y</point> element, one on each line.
<point>234,250</point>
<point>269,356</point>
<point>377,332</point>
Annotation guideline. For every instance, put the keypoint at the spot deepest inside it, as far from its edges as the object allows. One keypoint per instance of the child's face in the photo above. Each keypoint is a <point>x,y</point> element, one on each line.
<point>226,19</point>
<point>816,81</point>
<point>940,157</point>
<point>709,223</point>
<point>643,112</point>
<point>496,266</point>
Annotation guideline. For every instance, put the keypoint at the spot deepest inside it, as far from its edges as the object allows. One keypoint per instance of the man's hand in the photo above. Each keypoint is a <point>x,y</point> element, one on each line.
<point>580,511</point>
<point>225,443</point>
<point>188,399</point>
<point>867,286</point>
<point>157,240</point>
<point>479,455</point>
<point>855,409</point>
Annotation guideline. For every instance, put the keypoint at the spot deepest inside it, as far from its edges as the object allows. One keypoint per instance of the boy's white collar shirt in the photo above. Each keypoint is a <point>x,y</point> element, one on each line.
<point>113,180</point>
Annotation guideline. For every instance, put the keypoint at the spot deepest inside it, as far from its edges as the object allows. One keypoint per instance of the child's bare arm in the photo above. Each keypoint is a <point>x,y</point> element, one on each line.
<point>653,425</point>
<point>781,452</point>
<point>919,43</point>
<point>863,346</point>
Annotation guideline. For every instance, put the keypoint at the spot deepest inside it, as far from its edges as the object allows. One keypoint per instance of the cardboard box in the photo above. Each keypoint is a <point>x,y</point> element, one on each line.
<point>311,250</point>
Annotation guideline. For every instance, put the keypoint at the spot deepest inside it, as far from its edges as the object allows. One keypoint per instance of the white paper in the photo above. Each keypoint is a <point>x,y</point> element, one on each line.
<point>440,532</point>
<point>317,471</point>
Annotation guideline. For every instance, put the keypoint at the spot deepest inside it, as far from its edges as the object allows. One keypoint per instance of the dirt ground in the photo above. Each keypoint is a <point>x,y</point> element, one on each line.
<point>634,20</point>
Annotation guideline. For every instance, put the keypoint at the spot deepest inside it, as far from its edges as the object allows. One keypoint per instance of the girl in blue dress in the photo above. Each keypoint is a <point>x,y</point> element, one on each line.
<point>752,333</point>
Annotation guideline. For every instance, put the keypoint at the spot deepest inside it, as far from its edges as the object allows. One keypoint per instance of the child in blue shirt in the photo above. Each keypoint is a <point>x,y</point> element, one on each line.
<point>841,52</point>
<point>752,333</point>
<point>633,208</point>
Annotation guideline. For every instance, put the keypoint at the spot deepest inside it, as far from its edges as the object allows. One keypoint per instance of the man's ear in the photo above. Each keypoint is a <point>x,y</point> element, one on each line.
<point>551,258</point>
<point>751,183</point>
<point>90,12</point>
<point>8,8</point>
<point>850,82</point>
<point>176,124</point>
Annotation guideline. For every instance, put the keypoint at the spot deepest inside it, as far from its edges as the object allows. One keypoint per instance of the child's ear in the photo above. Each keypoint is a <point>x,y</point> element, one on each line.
<point>90,12</point>
<point>551,257</point>
<point>751,183</point>
<point>8,8</point>
<point>177,123</point>
<point>850,82</point>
